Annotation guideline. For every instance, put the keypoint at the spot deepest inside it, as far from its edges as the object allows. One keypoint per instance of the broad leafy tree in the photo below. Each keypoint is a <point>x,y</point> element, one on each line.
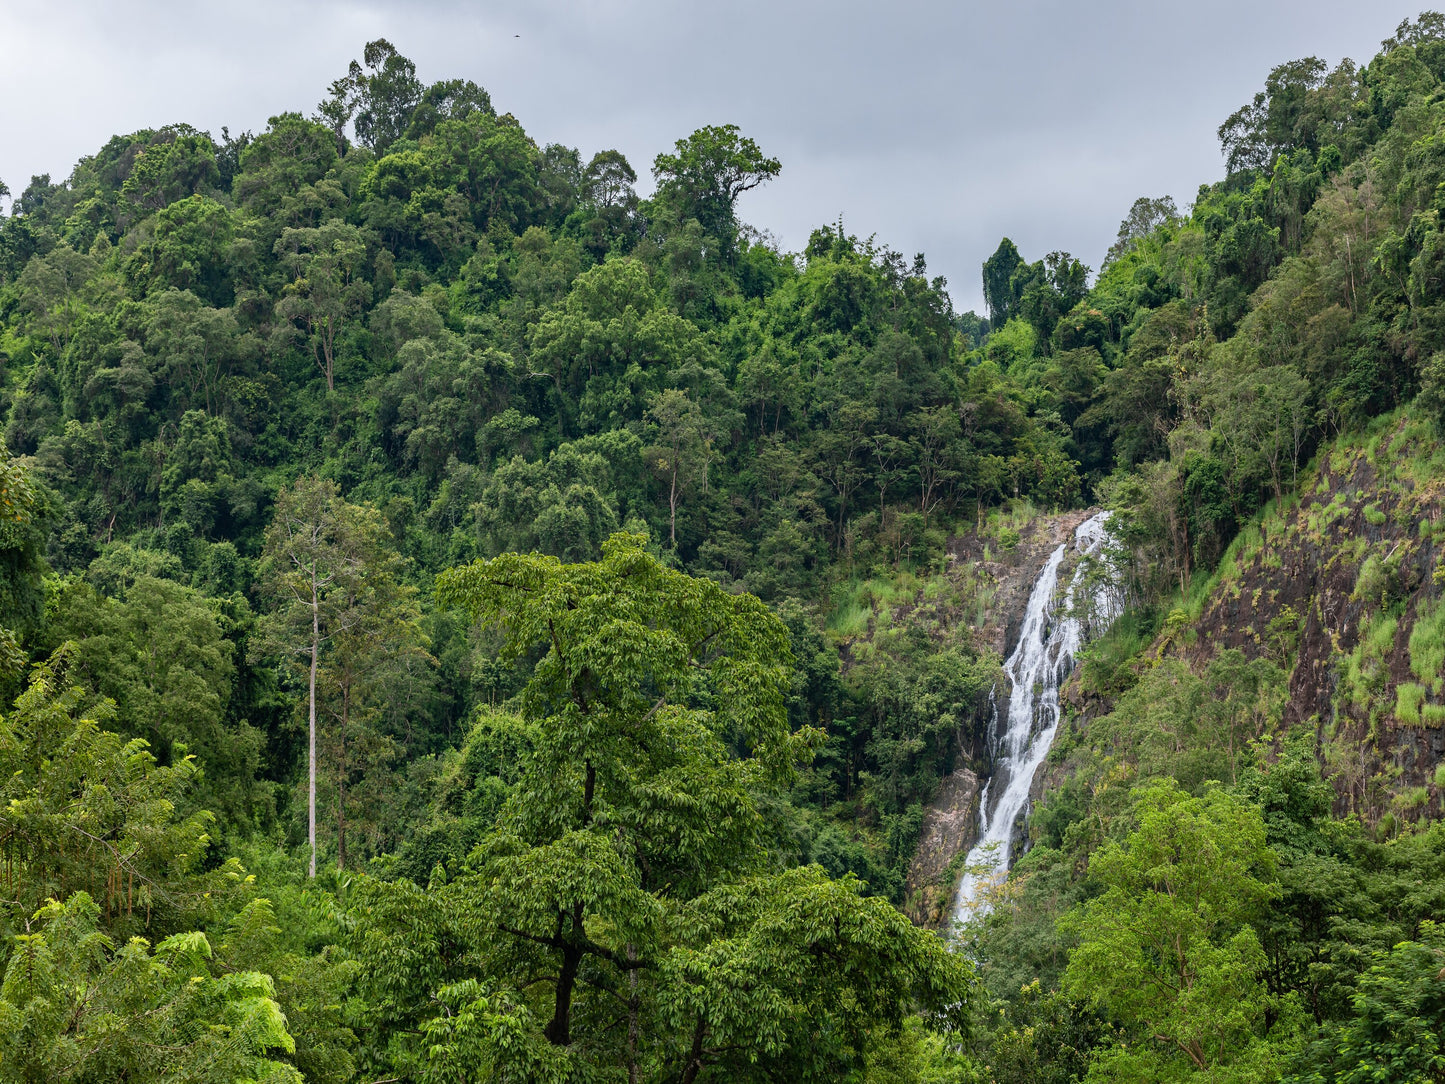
<point>707,173</point>
<point>325,290</point>
<point>622,912</point>
<point>161,654</point>
<point>1168,948</point>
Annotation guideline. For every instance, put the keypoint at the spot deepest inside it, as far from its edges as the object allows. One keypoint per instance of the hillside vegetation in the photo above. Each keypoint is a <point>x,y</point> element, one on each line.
<point>466,621</point>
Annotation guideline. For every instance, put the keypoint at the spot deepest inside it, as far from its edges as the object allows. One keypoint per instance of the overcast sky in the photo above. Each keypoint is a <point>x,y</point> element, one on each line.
<point>937,126</point>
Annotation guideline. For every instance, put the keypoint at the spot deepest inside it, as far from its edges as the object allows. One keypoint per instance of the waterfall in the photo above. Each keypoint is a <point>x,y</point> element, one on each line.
<point>1049,638</point>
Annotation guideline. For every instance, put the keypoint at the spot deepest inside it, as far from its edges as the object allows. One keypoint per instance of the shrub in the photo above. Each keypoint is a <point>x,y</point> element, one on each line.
<point>1427,645</point>
<point>1408,697</point>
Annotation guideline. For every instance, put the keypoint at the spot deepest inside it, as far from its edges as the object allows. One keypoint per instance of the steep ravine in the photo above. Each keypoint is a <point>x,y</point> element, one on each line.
<point>950,824</point>
<point>1066,609</point>
<point>1341,585</point>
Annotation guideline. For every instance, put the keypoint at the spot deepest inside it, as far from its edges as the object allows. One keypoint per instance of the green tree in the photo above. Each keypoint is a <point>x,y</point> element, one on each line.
<point>198,484</point>
<point>1043,1038</point>
<point>376,642</point>
<point>1145,216</point>
<point>438,399</point>
<point>1167,948</point>
<point>608,194</point>
<point>380,97</point>
<point>609,179</point>
<point>52,291</point>
<point>495,166</point>
<point>160,654</point>
<point>1431,400</point>
<point>22,562</point>
<point>189,249</point>
<point>1044,291</point>
<point>626,865</point>
<point>450,99</point>
<point>678,454</point>
<point>325,289</point>
<point>935,437</point>
<point>74,1006</point>
<point>177,162</point>
<point>197,348</point>
<point>1397,1031</point>
<point>281,165</point>
<point>90,819</point>
<point>608,346</point>
<point>709,171</point>
<point>88,811</point>
<point>998,283</point>
<point>319,552</point>
<point>565,506</point>
<point>1264,418</point>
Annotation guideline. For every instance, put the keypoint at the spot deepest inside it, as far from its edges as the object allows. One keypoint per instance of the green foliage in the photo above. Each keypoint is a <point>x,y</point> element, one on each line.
<point>626,859</point>
<point>1399,1018</point>
<point>906,712</point>
<point>159,652</point>
<point>349,626</point>
<point>324,292</point>
<point>919,1055</point>
<point>1408,698</point>
<point>1043,1038</point>
<point>709,171</point>
<point>1431,400</point>
<point>74,1006</point>
<point>22,563</point>
<point>87,810</point>
<point>1167,947</point>
<point>1174,722</point>
<point>1427,646</point>
<point>464,344</point>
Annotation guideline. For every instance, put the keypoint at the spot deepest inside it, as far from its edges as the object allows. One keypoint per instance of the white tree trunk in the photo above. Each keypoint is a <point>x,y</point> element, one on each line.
<point>311,751</point>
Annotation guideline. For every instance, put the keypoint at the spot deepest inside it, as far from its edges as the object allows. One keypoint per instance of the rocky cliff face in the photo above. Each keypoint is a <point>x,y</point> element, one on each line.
<point>1342,585</point>
<point>1003,571</point>
<point>950,826</point>
<point>1007,572</point>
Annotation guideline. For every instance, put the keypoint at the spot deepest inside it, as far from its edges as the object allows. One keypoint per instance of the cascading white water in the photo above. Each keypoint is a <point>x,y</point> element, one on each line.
<point>1042,659</point>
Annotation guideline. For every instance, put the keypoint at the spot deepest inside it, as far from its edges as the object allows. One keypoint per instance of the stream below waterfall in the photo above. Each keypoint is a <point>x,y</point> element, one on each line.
<point>1051,633</point>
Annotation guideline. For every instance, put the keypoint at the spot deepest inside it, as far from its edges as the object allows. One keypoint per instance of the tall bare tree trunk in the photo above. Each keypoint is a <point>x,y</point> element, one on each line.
<point>311,712</point>
<point>672,506</point>
<point>341,777</point>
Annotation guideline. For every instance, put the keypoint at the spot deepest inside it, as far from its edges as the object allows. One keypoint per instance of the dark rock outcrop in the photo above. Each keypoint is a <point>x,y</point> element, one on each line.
<point>949,827</point>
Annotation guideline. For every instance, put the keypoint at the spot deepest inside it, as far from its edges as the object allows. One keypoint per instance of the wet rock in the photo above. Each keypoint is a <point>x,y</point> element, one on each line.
<point>949,827</point>
<point>1014,573</point>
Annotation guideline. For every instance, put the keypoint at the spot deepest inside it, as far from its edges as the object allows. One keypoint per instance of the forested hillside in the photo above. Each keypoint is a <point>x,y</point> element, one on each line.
<point>465,621</point>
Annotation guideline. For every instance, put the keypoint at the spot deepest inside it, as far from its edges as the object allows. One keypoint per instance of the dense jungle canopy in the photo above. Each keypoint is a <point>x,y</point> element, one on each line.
<point>463,620</point>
